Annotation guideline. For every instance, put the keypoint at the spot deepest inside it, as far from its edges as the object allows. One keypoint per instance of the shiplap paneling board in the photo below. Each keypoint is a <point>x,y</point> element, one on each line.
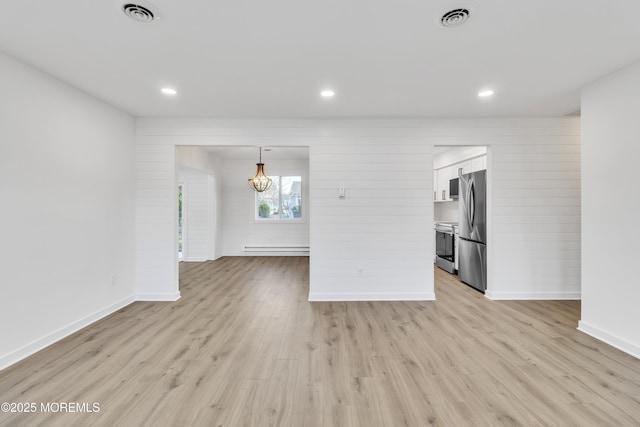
<point>500,202</point>
<point>201,173</point>
<point>372,204</point>
<point>407,261</point>
<point>517,211</point>
<point>552,226</point>
<point>540,157</point>
<point>536,199</point>
<point>356,218</point>
<point>197,215</point>
<point>543,218</point>
<point>515,174</point>
<point>384,270</point>
<point>396,155</point>
<point>349,245</point>
<point>387,194</point>
<point>530,184</point>
<point>141,165</point>
<point>163,127</point>
<point>332,183</point>
<point>153,175</point>
<point>156,203</point>
<point>563,144</point>
<point>523,169</point>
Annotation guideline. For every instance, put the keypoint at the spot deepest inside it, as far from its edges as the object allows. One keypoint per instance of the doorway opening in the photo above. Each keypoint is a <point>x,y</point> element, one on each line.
<point>180,222</point>
<point>272,223</point>
<point>460,214</point>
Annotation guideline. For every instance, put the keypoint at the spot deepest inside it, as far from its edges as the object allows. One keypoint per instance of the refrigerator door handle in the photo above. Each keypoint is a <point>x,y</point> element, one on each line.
<point>472,204</point>
<point>469,211</point>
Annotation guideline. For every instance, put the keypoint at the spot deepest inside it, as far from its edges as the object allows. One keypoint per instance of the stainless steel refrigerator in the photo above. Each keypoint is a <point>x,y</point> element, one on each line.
<point>472,244</point>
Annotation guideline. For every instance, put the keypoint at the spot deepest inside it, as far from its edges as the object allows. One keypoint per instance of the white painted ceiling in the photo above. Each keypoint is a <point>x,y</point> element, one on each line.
<point>248,58</point>
<point>447,155</point>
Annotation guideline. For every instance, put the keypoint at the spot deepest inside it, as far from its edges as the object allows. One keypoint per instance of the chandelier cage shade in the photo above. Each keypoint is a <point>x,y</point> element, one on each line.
<point>260,181</point>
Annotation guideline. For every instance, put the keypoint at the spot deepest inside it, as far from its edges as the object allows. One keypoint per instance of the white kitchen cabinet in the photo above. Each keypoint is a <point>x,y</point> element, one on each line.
<point>444,175</point>
<point>435,185</point>
<point>478,163</point>
<point>466,167</point>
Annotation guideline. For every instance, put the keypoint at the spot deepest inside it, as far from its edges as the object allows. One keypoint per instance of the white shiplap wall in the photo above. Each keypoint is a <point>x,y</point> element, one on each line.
<point>377,243</point>
<point>156,220</point>
<point>198,217</point>
<point>197,160</point>
<point>374,243</point>
<point>536,217</point>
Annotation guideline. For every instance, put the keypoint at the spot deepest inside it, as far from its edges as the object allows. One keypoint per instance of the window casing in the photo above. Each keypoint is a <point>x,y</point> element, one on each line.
<point>282,201</point>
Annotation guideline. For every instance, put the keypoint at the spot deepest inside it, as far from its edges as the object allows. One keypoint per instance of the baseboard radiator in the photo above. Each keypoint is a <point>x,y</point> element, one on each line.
<point>302,249</point>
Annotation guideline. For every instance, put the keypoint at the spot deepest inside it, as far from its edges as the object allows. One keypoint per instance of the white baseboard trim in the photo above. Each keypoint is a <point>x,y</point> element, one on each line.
<point>199,259</point>
<point>610,339</point>
<point>420,296</point>
<point>532,295</point>
<point>175,296</point>
<point>39,344</point>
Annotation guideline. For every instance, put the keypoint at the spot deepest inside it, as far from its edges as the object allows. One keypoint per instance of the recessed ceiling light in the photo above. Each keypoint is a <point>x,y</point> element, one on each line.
<point>485,93</point>
<point>328,93</point>
<point>169,91</point>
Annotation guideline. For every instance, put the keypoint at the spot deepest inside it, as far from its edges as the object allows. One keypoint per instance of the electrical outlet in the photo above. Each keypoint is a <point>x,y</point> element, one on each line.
<point>360,272</point>
<point>114,279</point>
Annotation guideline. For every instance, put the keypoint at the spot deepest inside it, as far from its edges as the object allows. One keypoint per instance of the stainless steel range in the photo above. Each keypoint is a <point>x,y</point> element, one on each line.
<point>445,245</point>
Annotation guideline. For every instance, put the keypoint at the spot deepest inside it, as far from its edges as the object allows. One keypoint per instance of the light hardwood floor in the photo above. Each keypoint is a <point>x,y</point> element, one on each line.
<point>243,347</point>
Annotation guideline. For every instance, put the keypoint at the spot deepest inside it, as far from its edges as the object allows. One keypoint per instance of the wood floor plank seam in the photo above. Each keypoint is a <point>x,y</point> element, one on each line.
<point>244,347</point>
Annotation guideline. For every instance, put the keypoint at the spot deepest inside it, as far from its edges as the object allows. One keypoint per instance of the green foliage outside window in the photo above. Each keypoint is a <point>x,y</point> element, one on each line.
<point>264,210</point>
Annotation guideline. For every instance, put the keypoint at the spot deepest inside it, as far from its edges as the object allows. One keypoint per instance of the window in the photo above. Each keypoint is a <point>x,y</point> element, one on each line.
<point>282,201</point>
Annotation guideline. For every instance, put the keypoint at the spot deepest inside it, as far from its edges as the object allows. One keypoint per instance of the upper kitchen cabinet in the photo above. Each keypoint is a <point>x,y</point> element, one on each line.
<point>472,165</point>
<point>462,168</point>
<point>444,176</point>
<point>479,163</point>
<point>449,162</point>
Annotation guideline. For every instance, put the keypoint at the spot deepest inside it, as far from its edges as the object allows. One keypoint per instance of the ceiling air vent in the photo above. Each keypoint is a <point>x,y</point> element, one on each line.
<point>455,17</point>
<point>138,13</point>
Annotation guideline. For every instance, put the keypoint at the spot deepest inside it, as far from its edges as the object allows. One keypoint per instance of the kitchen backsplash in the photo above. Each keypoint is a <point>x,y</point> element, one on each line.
<point>445,211</point>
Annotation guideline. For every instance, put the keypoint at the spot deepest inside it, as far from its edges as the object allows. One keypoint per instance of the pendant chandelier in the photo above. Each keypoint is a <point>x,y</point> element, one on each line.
<point>260,181</point>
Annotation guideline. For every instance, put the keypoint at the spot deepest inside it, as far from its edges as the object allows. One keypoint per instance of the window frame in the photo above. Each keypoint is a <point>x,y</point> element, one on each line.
<point>278,219</point>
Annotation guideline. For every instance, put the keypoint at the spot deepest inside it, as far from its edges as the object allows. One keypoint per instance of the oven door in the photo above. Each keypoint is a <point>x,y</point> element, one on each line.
<point>444,245</point>
<point>445,255</point>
